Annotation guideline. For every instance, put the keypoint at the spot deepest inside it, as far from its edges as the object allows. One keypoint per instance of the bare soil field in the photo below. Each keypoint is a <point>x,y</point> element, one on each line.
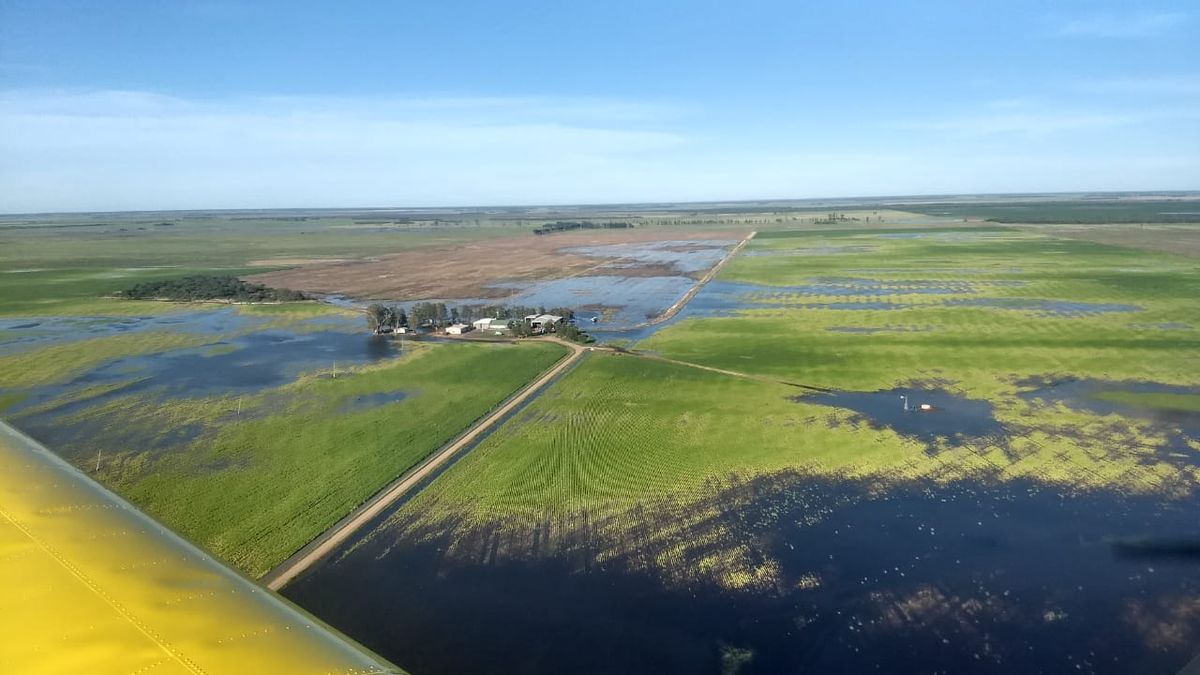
<point>468,270</point>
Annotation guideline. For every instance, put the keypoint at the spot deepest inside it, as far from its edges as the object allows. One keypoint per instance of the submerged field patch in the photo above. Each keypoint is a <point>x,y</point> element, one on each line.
<point>841,576</point>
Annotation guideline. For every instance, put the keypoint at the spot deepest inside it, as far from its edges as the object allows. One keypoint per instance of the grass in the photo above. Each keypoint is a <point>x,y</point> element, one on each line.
<point>984,348</point>
<point>1132,211</point>
<point>258,485</point>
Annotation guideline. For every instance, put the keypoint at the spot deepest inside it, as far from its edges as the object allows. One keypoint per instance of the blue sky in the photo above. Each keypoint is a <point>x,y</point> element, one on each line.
<point>148,105</point>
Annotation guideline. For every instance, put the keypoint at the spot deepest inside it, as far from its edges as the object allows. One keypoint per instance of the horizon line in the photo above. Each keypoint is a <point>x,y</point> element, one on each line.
<point>926,198</point>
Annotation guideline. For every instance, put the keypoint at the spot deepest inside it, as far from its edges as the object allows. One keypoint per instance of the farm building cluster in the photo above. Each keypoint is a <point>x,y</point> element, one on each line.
<point>537,323</point>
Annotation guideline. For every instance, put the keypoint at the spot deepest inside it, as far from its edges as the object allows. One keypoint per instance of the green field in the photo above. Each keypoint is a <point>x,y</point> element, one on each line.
<point>251,478</point>
<point>624,439</point>
<point>270,471</point>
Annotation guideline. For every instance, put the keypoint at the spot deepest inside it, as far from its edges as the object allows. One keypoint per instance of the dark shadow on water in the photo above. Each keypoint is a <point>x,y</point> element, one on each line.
<point>975,576</point>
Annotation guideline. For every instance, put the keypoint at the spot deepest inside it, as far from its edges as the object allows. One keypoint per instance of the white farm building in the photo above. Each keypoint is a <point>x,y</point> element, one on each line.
<point>490,324</point>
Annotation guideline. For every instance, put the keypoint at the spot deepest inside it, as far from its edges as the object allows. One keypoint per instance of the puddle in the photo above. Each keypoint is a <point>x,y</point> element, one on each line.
<point>1046,307</point>
<point>954,420</point>
<point>1168,325</point>
<point>853,286</point>
<point>804,252</point>
<point>940,236</point>
<point>965,577</point>
<point>369,401</point>
<point>872,330</point>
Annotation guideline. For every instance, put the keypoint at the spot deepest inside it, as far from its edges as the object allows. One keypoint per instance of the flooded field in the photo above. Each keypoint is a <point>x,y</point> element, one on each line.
<point>1047,307</point>
<point>26,332</point>
<point>865,455</point>
<point>239,356</point>
<point>914,578</point>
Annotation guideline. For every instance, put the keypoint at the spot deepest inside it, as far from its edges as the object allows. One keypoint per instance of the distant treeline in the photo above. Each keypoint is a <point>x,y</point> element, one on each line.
<point>1070,213</point>
<point>210,287</point>
<point>563,225</point>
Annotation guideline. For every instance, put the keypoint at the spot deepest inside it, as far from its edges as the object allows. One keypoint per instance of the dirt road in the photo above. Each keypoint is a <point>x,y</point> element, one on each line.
<point>343,529</point>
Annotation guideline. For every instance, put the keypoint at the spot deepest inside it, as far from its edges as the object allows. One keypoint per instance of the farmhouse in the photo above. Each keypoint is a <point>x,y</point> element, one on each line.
<point>458,329</point>
<point>490,324</point>
<point>542,322</point>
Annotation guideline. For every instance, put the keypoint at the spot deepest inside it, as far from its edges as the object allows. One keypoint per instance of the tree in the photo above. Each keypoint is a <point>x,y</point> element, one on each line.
<point>378,317</point>
<point>569,331</point>
<point>400,317</point>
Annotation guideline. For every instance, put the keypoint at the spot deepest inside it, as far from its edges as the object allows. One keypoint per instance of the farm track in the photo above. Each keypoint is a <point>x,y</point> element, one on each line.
<point>325,543</point>
<point>731,373</point>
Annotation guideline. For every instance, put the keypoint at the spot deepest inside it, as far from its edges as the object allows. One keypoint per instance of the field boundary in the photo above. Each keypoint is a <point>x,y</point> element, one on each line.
<point>342,530</point>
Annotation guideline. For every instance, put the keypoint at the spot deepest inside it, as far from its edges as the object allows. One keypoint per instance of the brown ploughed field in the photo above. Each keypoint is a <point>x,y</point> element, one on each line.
<point>467,270</point>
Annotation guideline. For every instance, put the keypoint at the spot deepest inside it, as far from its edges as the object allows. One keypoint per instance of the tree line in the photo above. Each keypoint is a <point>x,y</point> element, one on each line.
<point>209,287</point>
<point>564,225</point>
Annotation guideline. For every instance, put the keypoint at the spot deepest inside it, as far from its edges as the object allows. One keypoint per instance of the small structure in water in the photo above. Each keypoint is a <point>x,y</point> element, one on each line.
<point>924,407</point>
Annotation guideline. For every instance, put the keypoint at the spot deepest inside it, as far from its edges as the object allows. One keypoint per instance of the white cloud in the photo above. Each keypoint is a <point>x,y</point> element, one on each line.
<point>1123,24</point>
<point>129,149</point>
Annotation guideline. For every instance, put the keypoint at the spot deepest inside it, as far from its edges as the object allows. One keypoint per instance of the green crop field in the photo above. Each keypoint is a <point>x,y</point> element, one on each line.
<point>268,472</point>
<point>627,440</point>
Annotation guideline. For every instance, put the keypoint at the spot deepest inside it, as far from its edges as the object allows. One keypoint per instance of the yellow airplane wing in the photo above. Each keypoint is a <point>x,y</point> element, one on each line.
<point>89,584</point>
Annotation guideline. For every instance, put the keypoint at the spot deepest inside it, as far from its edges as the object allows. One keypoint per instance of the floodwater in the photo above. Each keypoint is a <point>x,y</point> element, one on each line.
<point>975,576</point>
<point>951,419</point>
<point>369,401</point>
<point>29,333</point>
<point>238,360</point>
<point>683,257</point>
<point>1047,307</point>
<point>617,301</point>
<point>1181,427</point>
